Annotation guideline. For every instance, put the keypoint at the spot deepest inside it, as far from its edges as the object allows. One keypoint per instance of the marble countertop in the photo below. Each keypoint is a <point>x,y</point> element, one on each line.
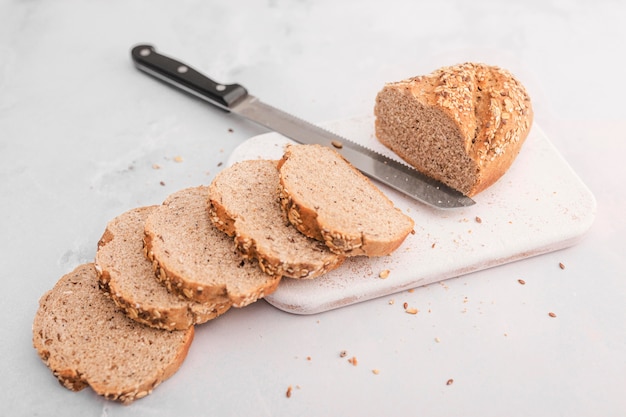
<point>82,132</point>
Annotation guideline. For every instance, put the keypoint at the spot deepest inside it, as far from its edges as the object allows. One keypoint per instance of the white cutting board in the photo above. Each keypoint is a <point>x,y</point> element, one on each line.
<point>540,205</point>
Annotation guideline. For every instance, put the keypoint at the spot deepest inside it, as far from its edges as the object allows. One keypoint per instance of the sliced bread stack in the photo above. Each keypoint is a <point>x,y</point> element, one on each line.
<point>161,270</point>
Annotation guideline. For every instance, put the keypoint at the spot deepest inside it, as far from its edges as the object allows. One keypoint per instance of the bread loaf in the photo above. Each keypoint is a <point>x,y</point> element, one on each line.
<point>86,340</point>
<point>195,259</point>
<point>462,125</point>
<point>127,275</point>
<point>244,202</point>
<point>326,198</point>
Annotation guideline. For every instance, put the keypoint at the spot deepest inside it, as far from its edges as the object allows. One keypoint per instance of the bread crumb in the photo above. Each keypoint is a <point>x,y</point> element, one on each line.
<point>391,302</point>
<point>405,305</point>
<point>551,314</point>
<point>437,340</point>
<point>450,381</point>
<point>412,310</point>
<point>343,354</point>
<point>561,265</point>
<point>337,144</point>
<point>288,393</point>
<point>162,183</point>
<point>521,281</point>
<point>384,274</point>
<point>375,371</point>
<point>433,245</point>
<point>230,130</point>
<point>178,158</point>
<point>308,358</point>
<point>353,361</point>
<point>478,219</point>
<point>156,166</point>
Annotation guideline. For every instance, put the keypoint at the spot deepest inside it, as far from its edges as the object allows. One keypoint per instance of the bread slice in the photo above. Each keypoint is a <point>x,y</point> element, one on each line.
<point>86,340</point>
<point>195,259</point>
<point>328,199</point>
<point>244,202</point>
<point>462,125</point>
<point>127,275</point>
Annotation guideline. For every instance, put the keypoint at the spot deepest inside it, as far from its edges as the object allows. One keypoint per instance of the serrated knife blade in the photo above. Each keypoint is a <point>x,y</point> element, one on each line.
<point>235,98</point>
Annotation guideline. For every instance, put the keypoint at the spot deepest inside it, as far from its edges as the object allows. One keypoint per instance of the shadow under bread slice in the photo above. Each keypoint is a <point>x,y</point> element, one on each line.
<point>86,340</point>
<point>193,258</point>
<point>127,274</point>
<point>245,203</point>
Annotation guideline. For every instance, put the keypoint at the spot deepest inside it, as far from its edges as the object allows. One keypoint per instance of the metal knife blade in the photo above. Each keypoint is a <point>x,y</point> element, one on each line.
<point>235,98</point>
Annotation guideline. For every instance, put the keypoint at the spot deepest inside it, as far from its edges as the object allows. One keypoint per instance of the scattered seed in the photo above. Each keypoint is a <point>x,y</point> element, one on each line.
<point>450,381</point>
<point>230,130</point>
<point>178,158</point>
<point>353,361</point>
<point>551,314</point>
<point>384,274</point>
<point>288,393</point>
<point>437,340</point>
<point>156,166</point>
<point>375,371</point>
<point>433,245</point>
<point>391,302</point>
<point>308,358</point>
<point>521,281</point>
<point>337,144</point>
<point>343,354</point>
<point>478,220</point>
<point>405,305</point>
<point>561,265</point>
<point>162,182</point>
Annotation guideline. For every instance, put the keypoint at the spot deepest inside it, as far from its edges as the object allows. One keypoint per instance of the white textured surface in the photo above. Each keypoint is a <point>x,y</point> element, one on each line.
<point>540,205</point>
<point>80,131</point>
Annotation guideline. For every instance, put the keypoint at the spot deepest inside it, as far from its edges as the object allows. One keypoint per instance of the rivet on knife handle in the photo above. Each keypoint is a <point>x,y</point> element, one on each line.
<point>182,76</point>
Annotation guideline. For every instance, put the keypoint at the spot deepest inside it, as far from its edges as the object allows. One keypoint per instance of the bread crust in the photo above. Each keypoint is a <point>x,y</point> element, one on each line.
<point>485,109</point>
<point>348,241</point>
<point>68,364</point>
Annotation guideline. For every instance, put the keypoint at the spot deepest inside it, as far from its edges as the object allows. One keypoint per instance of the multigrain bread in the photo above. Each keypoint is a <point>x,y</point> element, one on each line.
<point>127,275</point>
<point>326,198</point>
<point>86,340</point>
<point>195,259</point>
<point>462,125</point>
<point>244,203</point>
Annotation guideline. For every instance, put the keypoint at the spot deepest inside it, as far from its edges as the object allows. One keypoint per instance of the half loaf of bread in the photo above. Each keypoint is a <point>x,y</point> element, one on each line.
<point>245,203</point>
<point>195,259</point>
<point>326,198</point>
<point>86,340</point>
<point>127,275</point>
<point>462,125</point>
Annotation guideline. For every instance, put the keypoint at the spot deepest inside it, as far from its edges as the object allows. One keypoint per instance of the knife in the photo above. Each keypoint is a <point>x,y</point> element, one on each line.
<point>235,98</point>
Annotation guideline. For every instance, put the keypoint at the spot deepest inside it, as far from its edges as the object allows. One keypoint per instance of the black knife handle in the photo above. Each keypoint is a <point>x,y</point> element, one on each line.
<point>180,75</point>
